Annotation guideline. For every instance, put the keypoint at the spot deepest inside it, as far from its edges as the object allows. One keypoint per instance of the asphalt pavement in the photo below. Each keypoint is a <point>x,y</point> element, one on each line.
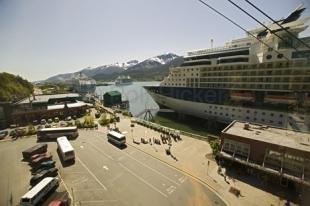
<point>104,174</point>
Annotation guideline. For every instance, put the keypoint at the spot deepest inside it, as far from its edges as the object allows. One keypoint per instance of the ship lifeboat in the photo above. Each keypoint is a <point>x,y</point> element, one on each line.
<point>280,99</point>
<point>241,96</point>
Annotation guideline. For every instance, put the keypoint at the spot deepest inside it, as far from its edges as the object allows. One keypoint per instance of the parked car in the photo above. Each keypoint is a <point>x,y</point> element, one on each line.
<point>43,121</point>
<point>40,159</point>
<point>43,165</point>
<point>45,173</point>
<point>40,127</point>
<point>56,119</point>
<point>97,114</point>
<point>12,133</point>
<point>37,155</point>
<point>48,126</point>
<point>68,118</point>
<point>60,202</point>
<point>63,124</point>
<point>50,121</point>
<point>3,134</point>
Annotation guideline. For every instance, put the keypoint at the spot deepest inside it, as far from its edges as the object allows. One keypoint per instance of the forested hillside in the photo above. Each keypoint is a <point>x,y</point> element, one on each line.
<point>13,88</point>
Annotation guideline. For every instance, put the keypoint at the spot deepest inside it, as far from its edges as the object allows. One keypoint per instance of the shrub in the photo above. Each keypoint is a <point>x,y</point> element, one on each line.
<point>104,119</point>
<point>89,121</point>
<point>215,146</point>
<point>31,130</point>
<point>77,123</point>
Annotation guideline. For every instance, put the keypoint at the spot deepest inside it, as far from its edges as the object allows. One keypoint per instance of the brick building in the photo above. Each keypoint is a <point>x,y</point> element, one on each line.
<point>277,152</point>
<point>47,106</point>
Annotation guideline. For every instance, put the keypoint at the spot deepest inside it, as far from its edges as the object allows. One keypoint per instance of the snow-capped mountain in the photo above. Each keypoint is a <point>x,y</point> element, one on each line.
<point>109,71</point>
<point>164,58</point>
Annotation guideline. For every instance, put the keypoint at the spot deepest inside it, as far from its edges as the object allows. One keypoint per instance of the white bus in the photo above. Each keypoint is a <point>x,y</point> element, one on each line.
<point>116,138</point>
<point>38,192</point>
<point>53,133</point>
<point>65,148</point>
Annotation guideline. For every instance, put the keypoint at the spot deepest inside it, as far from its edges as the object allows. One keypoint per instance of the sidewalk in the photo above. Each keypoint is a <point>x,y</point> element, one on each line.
<point>193,157</point>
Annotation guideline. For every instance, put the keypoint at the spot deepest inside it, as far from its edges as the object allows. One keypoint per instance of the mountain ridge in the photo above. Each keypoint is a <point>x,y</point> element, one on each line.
<point>158,65</point>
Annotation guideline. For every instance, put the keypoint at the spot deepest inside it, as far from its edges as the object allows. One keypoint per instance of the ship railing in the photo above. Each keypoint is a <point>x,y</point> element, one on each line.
<point>216,49</point>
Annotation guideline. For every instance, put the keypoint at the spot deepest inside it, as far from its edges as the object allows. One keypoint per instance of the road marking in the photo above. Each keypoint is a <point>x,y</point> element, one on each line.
<point>88,190</point>
<point>111,158</point>
<point>154,170</point>
<point>79,180</point>
<point>65,185</point>
<point>171,189</point>
<point>125,132</point>
<point>92,174</point>
<point>143,180</point>
<point>182,179</point>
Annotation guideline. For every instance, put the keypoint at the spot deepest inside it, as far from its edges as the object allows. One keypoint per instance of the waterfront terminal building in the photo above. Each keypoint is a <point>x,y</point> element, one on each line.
<point>281,154</point>
<point>47,106</point>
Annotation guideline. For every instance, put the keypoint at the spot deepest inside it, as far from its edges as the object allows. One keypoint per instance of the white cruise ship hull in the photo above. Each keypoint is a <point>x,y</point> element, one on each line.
<point>223,113</point>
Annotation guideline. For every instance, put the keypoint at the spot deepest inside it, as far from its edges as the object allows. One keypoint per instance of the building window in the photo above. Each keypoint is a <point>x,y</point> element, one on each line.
<point>280,56</point>
<point>268,56</point>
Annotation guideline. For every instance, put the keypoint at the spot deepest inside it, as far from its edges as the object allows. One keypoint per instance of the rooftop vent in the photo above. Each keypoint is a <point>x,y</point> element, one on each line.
<point>246,126</point>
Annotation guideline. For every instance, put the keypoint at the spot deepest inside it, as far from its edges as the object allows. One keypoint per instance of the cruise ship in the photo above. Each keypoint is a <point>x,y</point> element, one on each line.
<point>82,84</point>
<point>123,80</point>
<point>266,81</point>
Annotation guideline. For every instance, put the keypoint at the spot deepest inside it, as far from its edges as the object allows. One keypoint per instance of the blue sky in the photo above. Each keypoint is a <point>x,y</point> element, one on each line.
<point>41,38</point>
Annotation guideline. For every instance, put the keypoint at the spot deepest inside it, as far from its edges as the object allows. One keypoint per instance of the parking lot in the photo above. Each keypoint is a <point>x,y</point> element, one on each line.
<point>104,174</point>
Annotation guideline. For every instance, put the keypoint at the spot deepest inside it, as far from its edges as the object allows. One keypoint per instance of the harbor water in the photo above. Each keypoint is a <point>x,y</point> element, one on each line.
<point>138,98</point>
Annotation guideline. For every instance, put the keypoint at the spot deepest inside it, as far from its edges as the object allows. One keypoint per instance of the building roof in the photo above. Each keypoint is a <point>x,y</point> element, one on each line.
<point>69,105</point>
<point>113,93</point>
<point>46,98</point>
<point>286,138</point>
